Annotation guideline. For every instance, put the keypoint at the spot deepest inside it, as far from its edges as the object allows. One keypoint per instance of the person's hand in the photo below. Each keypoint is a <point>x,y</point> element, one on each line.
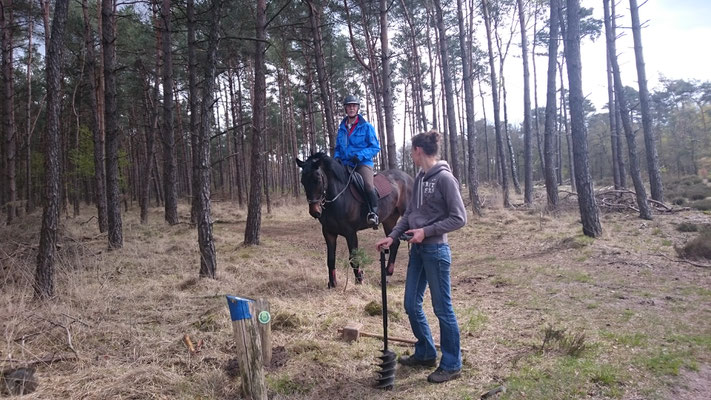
<point>383,243</point>
<point>355,160</point>
<point>418,235</point>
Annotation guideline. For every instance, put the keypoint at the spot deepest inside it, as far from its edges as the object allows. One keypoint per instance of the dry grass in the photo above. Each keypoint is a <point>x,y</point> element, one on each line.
<point>515,272</point>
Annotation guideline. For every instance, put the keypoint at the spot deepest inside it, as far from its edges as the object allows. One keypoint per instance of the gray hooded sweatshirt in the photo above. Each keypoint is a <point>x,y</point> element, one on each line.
<point>436,205</point>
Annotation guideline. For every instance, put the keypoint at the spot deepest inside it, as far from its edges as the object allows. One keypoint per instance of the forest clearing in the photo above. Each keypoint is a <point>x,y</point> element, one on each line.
<point>148,168</point>
<point>622,317</point>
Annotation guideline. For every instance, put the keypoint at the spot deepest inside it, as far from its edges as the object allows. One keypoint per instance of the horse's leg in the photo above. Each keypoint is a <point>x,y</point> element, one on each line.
<point>352,240</point>
<point>388,226</point>
<point>331,257</point>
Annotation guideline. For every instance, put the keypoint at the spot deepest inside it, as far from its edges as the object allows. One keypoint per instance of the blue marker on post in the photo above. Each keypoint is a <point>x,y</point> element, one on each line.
<point>239,308</point>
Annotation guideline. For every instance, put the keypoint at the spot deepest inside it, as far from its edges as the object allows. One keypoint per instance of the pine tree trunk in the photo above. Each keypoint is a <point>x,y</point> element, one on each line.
<point>44,274</point>
<point>586,195</point>
<point>326,100</point>
<point>655,179</point>
<point>548,140</point>
<point>254,210</point>
<point>527,150</point>
<point>170,166</point>
<point>193,106</point>
<point>208,257</point>
<point>433,84</point>
<point>566,126</point>
<point>501,168</point>
<point>236,144</point>
<point>486,132</point>
<point>95,124</point>
<point>113,196</point>
<point>613,130</point>
<point>469,106</point>
<point>387,86</point>
<point>8,109</point>
<point>30,205</point>
<point>449,91</point>
<point>644,211</point>
<point>537,124</point>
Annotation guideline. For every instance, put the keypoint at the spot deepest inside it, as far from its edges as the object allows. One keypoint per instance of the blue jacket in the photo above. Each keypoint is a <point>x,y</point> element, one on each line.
<point>362,143</point>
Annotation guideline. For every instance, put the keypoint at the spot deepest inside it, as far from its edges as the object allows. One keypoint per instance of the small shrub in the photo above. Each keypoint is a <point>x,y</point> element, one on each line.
<point>699,247</point>
<point>703,205</point>
<point>570,344</point>
<point>286,321</point>
<point>687,227</point>
<point>373,308</point>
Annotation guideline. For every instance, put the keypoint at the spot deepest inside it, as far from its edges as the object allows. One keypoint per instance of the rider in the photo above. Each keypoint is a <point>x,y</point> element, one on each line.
<point>356,145</point>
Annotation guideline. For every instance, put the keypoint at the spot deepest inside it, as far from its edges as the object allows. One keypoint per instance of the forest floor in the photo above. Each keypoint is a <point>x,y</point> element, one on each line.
<point>543,310</point>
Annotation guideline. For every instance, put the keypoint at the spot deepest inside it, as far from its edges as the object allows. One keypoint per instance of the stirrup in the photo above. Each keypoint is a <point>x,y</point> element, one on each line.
<point>373,220</point>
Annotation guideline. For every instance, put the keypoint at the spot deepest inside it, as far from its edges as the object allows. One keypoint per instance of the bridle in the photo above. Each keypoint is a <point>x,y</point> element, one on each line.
<point>322,201</point>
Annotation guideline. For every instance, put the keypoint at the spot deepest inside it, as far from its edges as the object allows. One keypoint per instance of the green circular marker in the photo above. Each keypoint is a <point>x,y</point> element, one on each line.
<point>264,317</point>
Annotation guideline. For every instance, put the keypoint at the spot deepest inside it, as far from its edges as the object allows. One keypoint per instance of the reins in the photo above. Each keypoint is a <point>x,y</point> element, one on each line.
<point>323,200</point>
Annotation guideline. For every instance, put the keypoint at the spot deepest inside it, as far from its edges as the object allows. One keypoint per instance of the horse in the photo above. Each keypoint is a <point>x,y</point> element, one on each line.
<point>340,212</point>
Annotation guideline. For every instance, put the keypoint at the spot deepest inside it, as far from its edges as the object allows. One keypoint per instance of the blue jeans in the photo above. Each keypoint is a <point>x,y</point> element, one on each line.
<point>430,265</point>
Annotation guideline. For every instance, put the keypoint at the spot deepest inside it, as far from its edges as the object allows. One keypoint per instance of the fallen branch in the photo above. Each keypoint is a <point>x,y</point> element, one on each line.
<point>87,221</point>
<point>681,260</point>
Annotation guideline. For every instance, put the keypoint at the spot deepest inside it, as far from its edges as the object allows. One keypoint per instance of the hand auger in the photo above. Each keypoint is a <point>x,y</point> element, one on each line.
<point>386,380</point>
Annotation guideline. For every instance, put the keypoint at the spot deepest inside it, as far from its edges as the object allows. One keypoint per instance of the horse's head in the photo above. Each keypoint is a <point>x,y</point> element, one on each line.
<point>315,182</point>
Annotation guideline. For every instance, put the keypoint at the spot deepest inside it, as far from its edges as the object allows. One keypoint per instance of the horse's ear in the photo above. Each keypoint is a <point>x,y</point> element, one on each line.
<point>300,163</point>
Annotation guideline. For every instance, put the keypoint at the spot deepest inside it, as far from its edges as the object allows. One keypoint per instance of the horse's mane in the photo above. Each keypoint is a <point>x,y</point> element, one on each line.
<point>330,164</point>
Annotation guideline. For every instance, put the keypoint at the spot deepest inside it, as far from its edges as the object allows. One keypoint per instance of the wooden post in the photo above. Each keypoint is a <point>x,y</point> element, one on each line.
<point>264,318</point>
<point>249,349</point>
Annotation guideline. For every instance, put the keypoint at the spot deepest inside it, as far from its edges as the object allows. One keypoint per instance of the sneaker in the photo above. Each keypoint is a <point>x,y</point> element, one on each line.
<point>411,361</point>
<point>440,375</point>
<point>373,220</point>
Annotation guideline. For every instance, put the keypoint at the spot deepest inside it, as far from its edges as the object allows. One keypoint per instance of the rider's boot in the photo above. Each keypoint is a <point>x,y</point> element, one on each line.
<point>373,220</point>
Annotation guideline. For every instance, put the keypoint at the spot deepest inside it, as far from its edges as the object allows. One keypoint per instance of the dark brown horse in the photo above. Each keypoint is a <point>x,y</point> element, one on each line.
<point>326,184</point>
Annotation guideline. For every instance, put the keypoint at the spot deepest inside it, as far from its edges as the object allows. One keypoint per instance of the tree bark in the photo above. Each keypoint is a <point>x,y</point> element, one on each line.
<point>655,178</point>
<point>170,166</point>
<point>8,120</point>
<point>208,257</point>
<point>501,167</point>
<point>448,90</point>
<point>613,130</point>
<point>254,209</point>
<point>586,195</point>
<point>326,100</point>
<point>113,196</point>
<point>527,142</point>
<point>387,86</point>
<point>644,211</point>
<point>548,147</point>
<point>44,274</point>
<point>30,205</point>
<point>95,124</point>
<point>536,113</point>
<point>469,106</point>
<point>193,105</point>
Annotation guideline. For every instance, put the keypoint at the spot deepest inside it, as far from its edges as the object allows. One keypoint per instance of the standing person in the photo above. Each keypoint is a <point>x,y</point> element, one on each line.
<point>434,209</point>
<point>356,145</point>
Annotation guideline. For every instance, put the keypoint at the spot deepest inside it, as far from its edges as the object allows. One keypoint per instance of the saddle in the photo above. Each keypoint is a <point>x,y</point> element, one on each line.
<point>382,185</point>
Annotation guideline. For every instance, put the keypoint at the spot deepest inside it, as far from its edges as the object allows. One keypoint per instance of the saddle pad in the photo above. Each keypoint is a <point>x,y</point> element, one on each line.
<point>382,185</point>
